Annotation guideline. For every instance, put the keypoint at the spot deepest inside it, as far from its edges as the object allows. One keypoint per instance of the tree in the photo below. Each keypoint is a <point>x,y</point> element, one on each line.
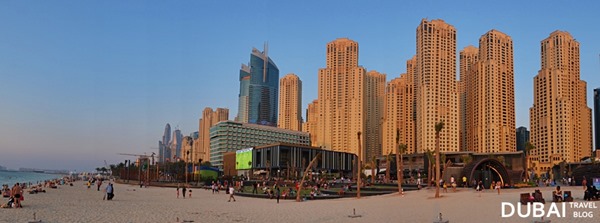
<point>359,163</point>
<point>373,160</point>
<point>438,128</point>
<point>389,167</point>
<point>466,159</point>
<point>308,168</point>
<point>429,154</point>
<point>206,163</point>
<point>401,151</point>
<point>528,148</point>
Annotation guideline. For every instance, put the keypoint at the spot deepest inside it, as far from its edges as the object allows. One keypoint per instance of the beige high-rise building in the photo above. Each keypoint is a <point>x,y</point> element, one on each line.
<point>560,119</point>
<point>374,101</point>
<point>490,115</point>
<point>344,88</point>
<point>399,114</point>
<point>468,57</point>
<point>437,95</point>
<point>290,103</point>
<point>311,123</point>
<point>209,119</point>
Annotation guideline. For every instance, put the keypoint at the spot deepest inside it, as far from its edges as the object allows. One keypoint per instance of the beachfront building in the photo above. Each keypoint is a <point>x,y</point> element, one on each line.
<point>468,57</point>
<point>490,96</point>
<point>522,138</point>
<point>290,160</point>
<point>229,136</point>
<point>436,92</point>
<point>560,120</point>
<point>350,100</point>
<point>290,103</point>
<point>399,112</point>
<point>259,90</point>
<point>209,118</point>
<point>310,126</point>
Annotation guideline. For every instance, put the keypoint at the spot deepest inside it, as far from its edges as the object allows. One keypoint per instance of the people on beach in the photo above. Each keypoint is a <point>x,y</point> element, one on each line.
<point>110,191</point>
<point>177,190</point>
<point>464,181</point>
<point>17,193</point>
<point>231,191</point>
<point>190,193</point>
<point>498,185</point>
<point>183,189</point>
<point>277,193</point>
<point>584,183</point>
<point>99,184</point>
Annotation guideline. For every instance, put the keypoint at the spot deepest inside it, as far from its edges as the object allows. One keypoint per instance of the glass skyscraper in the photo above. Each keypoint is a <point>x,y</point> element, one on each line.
<point>259,90</point>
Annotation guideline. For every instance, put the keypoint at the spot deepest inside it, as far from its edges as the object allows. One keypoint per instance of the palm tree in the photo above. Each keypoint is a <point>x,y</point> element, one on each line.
<point>308,168</point>
<point>438,128</point>
<point>373,161</point>
<point>528,148</point>
<point>359,169</point>
<point>388,160</point>
<point>429,154</point>
<point>400,165</point>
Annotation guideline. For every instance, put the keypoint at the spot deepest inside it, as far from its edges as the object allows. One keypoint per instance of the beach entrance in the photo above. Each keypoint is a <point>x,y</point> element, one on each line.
<point>487,170</point>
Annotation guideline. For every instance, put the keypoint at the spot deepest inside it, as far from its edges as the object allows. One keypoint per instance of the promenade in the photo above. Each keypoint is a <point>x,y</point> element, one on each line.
<point>134,204</point>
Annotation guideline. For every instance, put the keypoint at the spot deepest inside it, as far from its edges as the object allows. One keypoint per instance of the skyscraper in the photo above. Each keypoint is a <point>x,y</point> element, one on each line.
<point>209,118</point>
<point>163,146</point>
<point>522,138</point>
<point>290,103</point>
<point>490,110</point>
<point>437,96</point>
<point>597,117</point>
<point>560,120</point>
<point>310,126</point>
<point>343,111</point>
<point>399,114</point>
<point>374,100</point>
<point>468,57</point>
<point>259,89</point>
<point>175,145</point>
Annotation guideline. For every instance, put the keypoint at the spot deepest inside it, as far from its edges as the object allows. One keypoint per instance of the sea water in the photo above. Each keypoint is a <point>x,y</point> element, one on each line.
<point>10,178</point>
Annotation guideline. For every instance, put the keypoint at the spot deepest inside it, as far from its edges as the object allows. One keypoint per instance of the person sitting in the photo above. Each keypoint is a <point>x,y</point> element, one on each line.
<point>557,195</point>
<point>10,204</point>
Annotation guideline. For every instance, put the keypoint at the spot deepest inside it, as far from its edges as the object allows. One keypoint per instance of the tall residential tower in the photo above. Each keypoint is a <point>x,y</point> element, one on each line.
<point>290,103</point>
<point>437,96</point>
<point>209,118</point>
<point>560,119</point>
<point>343,109</point>
<point>490,104</point>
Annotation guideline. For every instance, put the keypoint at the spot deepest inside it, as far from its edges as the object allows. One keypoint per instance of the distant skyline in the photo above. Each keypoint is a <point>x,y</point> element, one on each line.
<point>83,81</point>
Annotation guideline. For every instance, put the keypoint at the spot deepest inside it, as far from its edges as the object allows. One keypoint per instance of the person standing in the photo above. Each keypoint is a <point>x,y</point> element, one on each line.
<point>16,192</point>
<point>231,190</point>
<point>177,190</point>
<point>584,183</point>
<point>277,193</point>
<point>183,189</point>
<point>109,191</point>
<point>254,187</point>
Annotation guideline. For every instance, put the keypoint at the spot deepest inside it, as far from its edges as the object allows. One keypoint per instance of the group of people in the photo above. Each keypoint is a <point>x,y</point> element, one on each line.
<point>184,190</point>
<point>15,196</point>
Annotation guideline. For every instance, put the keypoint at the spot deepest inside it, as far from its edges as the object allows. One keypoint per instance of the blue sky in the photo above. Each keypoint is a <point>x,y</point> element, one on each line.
<point>81,81</point>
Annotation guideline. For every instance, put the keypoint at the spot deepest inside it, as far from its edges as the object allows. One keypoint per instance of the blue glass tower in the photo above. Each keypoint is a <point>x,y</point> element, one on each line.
<point>259,90</point>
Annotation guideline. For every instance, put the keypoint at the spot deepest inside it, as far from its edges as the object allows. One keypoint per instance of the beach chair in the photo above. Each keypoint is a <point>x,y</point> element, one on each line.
<point>524,198</point>
<point>537,197</point>
<point>567,196</point>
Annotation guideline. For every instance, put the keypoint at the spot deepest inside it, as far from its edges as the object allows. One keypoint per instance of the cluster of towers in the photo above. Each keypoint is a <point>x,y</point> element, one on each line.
<point>478,109</point>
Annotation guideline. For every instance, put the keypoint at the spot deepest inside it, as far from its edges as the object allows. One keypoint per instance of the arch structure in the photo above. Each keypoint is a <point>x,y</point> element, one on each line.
<point>494,169</point>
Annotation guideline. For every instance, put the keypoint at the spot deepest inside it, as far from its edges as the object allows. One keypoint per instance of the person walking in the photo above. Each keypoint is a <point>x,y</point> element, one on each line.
<point>177,190</point>
<point>231,191</point>
<point>17,192</point>
<point>183,189</point>
<point>277,193</point>
<point>109,191</point>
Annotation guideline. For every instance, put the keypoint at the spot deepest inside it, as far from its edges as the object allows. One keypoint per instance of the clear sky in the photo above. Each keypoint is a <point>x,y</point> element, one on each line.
<point>81,81</point>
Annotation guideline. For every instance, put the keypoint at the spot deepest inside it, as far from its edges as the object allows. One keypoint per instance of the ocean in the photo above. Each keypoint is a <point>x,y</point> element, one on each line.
<point>10,178</point>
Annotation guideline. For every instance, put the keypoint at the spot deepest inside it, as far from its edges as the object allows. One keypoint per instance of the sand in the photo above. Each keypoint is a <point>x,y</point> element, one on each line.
<point>132,204</point>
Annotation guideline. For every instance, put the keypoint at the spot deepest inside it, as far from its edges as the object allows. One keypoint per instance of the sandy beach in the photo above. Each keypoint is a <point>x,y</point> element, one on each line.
<point>132,204</point>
